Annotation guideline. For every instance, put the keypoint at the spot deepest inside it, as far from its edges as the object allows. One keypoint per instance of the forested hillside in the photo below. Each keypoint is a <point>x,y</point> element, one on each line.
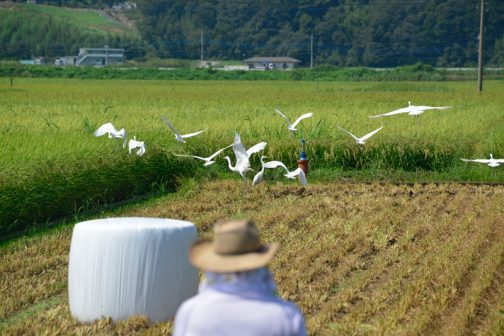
<point>346,32</point>
<point>28,30</point>
<point>377,33</point>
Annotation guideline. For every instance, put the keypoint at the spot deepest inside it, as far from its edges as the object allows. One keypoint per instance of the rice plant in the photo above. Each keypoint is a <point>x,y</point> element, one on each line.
<point>47,152</point>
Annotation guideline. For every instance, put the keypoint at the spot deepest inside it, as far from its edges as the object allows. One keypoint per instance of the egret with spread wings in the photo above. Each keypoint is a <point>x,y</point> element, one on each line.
<point>411,110</point>
<point>489,162</point>
<point>208,160</point>
<point>112,132</point>
<point>292,127</point>
<point>361,140</point>
<point>242,165</point>
<point>180,137</point>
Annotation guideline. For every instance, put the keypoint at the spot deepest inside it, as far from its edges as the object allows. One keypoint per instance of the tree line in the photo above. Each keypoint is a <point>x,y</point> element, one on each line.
<point>378,33</point>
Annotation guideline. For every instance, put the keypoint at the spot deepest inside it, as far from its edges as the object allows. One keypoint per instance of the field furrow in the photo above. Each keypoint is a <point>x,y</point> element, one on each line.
<point>359,259</point>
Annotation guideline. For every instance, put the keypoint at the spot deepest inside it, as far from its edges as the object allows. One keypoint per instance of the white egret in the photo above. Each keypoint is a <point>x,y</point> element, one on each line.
<point>292,127</point>
<point>412,110</point>
<point>180,137</point>
<point>259,177</point>
<point>490,162</point>
<point>133,143</point>
<point>208,160</point>
<point>242,164</point>
<point>112,132</point>
<point>361,140</point>
<point>289,174</point>
<point>300,174</point>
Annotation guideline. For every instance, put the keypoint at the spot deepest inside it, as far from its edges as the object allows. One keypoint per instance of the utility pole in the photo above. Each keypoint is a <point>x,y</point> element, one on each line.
<point>311,51</point>
<point>480,49</point>
<point>201,42</point>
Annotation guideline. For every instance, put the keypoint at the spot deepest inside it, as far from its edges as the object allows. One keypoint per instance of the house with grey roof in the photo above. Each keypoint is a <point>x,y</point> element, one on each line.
<point>99,56</point>
<point>271,63</point>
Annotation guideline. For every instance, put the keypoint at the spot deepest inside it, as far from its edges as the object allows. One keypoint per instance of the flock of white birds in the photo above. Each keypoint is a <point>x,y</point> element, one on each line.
<point>242,155</point>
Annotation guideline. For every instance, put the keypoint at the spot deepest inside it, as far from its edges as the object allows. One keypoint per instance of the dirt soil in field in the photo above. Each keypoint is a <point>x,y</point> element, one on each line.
<point>358,259</point>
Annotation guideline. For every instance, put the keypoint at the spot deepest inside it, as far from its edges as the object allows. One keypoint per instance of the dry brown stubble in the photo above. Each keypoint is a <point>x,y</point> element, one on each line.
<point>357,258</point>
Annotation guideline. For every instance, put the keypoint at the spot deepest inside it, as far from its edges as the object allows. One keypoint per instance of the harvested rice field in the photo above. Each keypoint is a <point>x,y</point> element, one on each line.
<point>359,259</point>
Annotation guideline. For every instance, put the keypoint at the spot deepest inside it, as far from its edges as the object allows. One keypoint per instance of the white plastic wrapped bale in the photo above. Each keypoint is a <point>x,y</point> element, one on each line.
<point>120,267</point>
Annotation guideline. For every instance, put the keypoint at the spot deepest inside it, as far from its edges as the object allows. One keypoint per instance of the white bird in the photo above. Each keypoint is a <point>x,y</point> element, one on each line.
<point>133,143</point>
<point>361,140</point>
<point>300,174</point>
<point>208,160</point>
<point>258,178</point>
<point>109,129</point>
<point>289,174</point>
<point>412,110</point>
<point>242,164</point>
<point>490,162</point>
<point>180,137</point>
<point>292,127</point>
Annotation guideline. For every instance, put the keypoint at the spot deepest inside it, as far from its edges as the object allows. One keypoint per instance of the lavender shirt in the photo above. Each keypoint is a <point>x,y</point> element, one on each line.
<point>241,303</point>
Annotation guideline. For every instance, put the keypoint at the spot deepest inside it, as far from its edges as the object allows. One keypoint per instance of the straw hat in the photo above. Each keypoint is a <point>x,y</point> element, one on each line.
<point>236,247</point>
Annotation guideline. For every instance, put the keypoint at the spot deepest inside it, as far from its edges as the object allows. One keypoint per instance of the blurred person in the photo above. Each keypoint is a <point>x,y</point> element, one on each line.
<point>238,296</point>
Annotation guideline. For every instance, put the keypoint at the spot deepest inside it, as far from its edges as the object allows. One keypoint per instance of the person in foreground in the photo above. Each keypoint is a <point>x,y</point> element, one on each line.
<point>238,296</point>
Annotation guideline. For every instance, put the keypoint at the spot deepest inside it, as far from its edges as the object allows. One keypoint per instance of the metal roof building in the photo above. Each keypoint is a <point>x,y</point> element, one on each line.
<point>271,63</point>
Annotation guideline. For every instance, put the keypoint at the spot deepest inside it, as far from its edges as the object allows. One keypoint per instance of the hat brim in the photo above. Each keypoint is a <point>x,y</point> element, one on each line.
<point>202,255</point>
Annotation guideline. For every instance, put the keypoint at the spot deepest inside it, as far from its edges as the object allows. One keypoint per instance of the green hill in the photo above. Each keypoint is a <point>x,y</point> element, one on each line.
<point>28,30</point>
<point>90,20</point>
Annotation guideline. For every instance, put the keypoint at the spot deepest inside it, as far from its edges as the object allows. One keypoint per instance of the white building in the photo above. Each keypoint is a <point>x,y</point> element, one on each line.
<point>271,63</point>
<point>99,56</point>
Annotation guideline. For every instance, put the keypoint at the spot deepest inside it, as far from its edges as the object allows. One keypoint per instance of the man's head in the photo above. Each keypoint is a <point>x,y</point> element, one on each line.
<point>236,247</point>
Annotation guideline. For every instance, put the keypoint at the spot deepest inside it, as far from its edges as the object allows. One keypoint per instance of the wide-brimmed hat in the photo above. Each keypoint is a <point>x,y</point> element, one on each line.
<point>236,247</point>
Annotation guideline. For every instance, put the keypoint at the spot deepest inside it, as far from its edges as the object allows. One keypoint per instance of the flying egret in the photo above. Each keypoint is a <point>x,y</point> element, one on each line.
<point>242,164</point>
<point>109,129</point>
<point>289,174</point>
<point>412,110</point>
<point>361,140</point>
<point>208,160</point>
<point>133,143</point>
<point>258,178</point>
<point>300,174</point>
<point>490,162</point>
<point>180,137</point>
<point>292,127</point>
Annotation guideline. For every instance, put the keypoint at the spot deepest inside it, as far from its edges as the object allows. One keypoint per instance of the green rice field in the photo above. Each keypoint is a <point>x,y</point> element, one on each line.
<point>51,165</point>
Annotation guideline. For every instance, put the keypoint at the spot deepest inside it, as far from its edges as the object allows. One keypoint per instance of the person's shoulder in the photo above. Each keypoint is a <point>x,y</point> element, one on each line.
<point>289,307</point>
<point>293,315</point>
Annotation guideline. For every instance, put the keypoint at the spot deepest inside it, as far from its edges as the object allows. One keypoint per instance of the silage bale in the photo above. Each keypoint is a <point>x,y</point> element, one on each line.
<point>120,267</point>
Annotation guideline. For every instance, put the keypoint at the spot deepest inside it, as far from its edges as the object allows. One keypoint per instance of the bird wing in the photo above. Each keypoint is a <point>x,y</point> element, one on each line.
<point>499,160</point>
<point>218,152</point>
<point>302,178</point>
<point>182,155</point>
<point>353,136</point>
<point>256,148</point>
<point>369,135</point>
<point>284,116</point>
<point>169,124</point>
<point>132,145</point>
<point>423,108</point>
<point>105,129</point>
<point>293,173</point>
<point>304,116</point>
<point>275,164</point>
<point>191,134</point>
<point>258,178</point>
<point>298,172</point>
<point>401,110</point>
<point>242,158</point>
<point>476,160</point>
